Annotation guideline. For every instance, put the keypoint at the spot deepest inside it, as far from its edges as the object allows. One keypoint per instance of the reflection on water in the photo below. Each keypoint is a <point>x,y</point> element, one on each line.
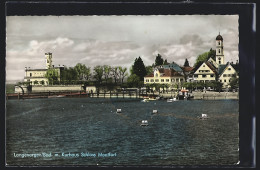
<point>80,130</point>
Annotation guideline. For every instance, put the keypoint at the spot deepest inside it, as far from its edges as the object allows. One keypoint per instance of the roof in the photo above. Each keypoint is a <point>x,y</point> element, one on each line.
<point>36,69</point>
<point>221,68</point>
<point>212,67</point>
<point>187,69</point>
<point>42,69</point>
<point>149,75</point>
<point>219,37</point>
<point>174,66</point>
<point>168,72</point>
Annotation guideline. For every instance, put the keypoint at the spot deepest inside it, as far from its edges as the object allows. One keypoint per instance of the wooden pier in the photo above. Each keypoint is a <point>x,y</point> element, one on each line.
<point>109,94</point>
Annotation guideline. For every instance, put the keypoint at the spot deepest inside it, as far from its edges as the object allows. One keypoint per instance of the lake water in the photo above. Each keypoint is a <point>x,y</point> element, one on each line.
<point>88,131</point>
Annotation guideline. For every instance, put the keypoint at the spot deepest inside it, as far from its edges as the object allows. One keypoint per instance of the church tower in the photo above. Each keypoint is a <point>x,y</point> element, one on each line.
<point>219,50</point>
<point>48,57</point>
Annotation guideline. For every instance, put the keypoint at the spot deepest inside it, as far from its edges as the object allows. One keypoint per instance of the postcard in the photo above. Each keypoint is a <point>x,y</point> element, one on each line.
<point>122,90</point>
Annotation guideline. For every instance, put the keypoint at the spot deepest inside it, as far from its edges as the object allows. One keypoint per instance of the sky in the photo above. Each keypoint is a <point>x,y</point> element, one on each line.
<point>114,40</point>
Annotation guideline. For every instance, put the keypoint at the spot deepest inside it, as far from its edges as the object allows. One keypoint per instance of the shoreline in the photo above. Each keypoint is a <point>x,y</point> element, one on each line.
<point>208,95</point>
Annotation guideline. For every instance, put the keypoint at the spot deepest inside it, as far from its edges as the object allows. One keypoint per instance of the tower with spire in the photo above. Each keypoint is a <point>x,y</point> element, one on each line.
<point>219,50</point>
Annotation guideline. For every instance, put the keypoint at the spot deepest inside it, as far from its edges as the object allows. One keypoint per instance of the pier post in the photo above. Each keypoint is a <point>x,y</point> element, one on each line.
<point>110,93</point>
<point>104,94</point>
<point>136,94</point>
<point>116,94</point>
<point>123,94</point>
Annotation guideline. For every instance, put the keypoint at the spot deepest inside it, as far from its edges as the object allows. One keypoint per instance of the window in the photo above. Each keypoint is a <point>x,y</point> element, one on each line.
<point>225,80</point>
<point>172,80</point>
<point>218,50</point>
<point>30,74</point>
<point>156,80</point>
<point>167,80</point>
<point>220,80</point>
<point>212,75</point>
<point>224,75</point>
<point>147,80</point>
<point>229,80</point>
<point>156,75</point>
<point>195,75</point>
<point>177,79</point>
<point>152,80</point>
<point>203,65</point>
<point>229,68</point>
<point>219,43</point>
<point>219,62</point>
<point>204,76</point>
<point>162,80</point>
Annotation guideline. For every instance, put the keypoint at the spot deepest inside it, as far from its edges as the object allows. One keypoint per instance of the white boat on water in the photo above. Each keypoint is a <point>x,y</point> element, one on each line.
<point>171,100</point>
<point>155,111</point>
<point>118,110</point>
<point>203,116</point>
<point>144,123</point>
<point>144,100</point>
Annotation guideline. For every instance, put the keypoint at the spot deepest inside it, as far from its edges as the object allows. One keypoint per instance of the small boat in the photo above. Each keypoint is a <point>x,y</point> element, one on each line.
<point>184,94</point>
<point>144,100</point>
<point>171,100</point>
<point>118,110</point>
<point>203,116</point>
<point>150,98</point>
<point>144,123</point>
<point>155,111</point>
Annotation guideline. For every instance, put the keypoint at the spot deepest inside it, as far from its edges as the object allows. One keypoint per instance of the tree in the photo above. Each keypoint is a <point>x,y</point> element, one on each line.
<point>186,63</point>
<point>133,80</point>
<point>165,62</point>
<point>35,82</point>
<point>122,73</point>
<point>158,60</point>
<point>107,72</point>
<point>42,82</point>
<point>149,69</point>
<point>69,75</point>
<point>234,83</point>
<point>52,75</point>
<point>204,57</point>
<point>115,73</point>
<point>83,72</point>
<point>219,86</point>
<point>98,73</point>
<point>139,68</point>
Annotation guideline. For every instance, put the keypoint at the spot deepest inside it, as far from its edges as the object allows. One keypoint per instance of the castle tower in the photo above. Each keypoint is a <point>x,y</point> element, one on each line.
<point>219,50</point>
<point>48,57</point>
